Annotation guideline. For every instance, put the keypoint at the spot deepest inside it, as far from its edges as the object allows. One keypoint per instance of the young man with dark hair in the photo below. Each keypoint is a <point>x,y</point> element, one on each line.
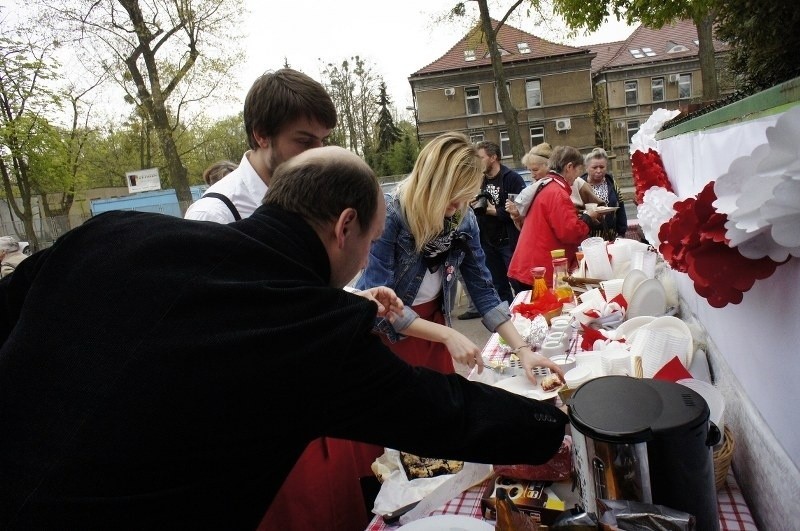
<point>285,113</point>
<point>499,235</point>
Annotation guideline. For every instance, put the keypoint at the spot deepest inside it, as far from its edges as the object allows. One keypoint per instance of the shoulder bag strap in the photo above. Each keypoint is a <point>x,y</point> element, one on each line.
<point>227,202</point>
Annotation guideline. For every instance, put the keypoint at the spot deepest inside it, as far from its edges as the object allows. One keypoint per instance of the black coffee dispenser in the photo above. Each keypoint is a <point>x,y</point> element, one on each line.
<point>645,440</point>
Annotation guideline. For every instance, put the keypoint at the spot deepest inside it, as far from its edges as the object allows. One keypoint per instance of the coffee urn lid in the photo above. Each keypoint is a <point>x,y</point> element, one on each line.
<point>621,409</point>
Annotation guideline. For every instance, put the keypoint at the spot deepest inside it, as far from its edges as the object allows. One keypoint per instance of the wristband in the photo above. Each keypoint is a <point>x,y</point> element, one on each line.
<point>516,350</point>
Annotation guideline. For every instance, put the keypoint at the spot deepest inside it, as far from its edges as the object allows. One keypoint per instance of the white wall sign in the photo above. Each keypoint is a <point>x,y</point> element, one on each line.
<point>143,180</point>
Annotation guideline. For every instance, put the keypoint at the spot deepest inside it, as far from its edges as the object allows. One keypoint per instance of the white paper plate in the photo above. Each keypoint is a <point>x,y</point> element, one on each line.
<point>606,209</point>
<point>676,326</point>
<point>448,522</point>
<point>631,282</point>
<point>627,329</point>
<point>648,299</point>
<point>712,396</point>
<point>520,385</point>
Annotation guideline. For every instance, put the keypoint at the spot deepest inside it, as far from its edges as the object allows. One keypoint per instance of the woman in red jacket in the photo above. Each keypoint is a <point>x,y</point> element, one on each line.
<point>551,221</point>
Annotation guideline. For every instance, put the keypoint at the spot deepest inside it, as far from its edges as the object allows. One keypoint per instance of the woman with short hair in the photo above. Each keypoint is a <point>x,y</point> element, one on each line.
<point>556,224</point>
<point>614,224</point>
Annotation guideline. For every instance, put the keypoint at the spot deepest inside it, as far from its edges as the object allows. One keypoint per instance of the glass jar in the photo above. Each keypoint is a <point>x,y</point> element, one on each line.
<point>539,284</point>
<point>561,288</point>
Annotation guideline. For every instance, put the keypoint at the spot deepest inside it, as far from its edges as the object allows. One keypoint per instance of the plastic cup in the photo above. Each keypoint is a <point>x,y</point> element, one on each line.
<point>551,348</point>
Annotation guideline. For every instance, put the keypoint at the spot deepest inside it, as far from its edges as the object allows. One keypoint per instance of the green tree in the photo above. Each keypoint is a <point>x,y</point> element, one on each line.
<point>352,85</point>
<point>764,48</point>
<point>387,132</point>
<point>26,67</point>
<point>403,155</point>
<point>165,54</point>
<point>590,15</point>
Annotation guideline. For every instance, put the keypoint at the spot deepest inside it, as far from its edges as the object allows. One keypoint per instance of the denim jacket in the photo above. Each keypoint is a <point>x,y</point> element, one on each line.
<point>394,262</point>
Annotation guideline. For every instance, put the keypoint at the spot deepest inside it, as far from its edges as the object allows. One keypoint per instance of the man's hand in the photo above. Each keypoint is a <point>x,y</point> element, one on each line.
<point>389,304</point>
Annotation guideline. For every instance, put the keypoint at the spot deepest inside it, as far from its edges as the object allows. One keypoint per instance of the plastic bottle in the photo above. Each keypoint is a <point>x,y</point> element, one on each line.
<point>539,284</point>
<point>560,270</point>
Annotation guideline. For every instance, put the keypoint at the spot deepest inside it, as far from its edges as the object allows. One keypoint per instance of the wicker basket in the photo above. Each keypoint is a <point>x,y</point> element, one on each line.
<point>722,458</point>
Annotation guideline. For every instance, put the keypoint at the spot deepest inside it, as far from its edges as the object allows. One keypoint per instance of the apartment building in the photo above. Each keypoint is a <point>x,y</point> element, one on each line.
<point>580,96</point>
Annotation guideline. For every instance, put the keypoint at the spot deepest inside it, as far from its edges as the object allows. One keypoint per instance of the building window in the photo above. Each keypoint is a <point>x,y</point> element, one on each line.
<point>537,135</point>
<point>649,52</point>
<point>636,53</point>
<point>633,127</point>
<point>533,92</point>
<point>497,97</point>
<point>469,55</point>
<point>505,144</point>
<point>657,87</point>
<point>523,47</point>
<point>673,47</point>
<point>685,86</point>
<point>473,97</point>
<point>631,93</point>
<point>476,138</point>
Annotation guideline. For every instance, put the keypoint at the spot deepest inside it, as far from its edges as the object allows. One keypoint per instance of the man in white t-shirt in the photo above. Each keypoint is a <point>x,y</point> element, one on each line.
<point>285,113</point>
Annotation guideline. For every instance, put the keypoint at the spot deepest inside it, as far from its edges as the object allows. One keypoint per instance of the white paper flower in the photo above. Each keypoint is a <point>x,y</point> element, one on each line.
<point>655,210</point>
<point>760,194</point>
<point>645,138</point>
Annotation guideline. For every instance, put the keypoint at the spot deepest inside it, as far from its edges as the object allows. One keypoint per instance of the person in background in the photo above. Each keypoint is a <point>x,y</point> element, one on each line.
<point>556,225</point>
<point>431,233</point>
<point>498,235</point>
<point>10,255</point>
<point>217,171</point>
<point>172,418</point>
<point>285,113</point>
<point>536,160</point>
<point>614,224</point>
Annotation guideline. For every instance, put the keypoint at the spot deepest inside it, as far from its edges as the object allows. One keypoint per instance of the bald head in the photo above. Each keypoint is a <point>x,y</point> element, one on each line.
<point>320,183</point>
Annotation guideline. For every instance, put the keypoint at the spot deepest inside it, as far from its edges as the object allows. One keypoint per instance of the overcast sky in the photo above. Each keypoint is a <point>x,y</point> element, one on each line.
<point>397,38</point>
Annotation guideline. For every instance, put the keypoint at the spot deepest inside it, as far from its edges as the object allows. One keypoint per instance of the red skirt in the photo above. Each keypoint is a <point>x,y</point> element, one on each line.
<point>322,492</point>
<point>326,477</point>
<point>421,352</point>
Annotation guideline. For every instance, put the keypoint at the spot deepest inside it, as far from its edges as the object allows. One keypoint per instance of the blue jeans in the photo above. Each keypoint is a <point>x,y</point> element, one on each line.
<point>497,260</point>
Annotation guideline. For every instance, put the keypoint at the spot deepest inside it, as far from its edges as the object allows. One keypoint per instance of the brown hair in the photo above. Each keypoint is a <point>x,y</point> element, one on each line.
<point>218,170</point>
<point>563,155</point>
<point>277,98</point>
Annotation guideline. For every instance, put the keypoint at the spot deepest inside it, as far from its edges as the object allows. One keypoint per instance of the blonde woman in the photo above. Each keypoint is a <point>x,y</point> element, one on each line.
<point>536,160</point>
<point>431,233</point>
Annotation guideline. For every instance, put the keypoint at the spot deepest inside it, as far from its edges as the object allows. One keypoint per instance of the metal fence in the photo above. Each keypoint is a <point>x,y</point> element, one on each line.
<point>47,229</point>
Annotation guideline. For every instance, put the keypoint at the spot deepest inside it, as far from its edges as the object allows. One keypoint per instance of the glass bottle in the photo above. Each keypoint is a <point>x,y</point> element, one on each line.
<point>539,284</point>
<point>561,288</point>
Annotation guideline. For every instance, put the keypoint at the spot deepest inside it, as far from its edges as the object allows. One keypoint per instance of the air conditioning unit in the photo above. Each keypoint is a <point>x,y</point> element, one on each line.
<point>564,124</point>
<point>450,91</point>
<point>620,124</point>
<point>673,78</point>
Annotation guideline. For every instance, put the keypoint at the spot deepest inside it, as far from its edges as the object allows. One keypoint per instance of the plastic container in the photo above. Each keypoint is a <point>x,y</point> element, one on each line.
<point>577,376</point>
<point>560,270</point>
<point>538,282</point>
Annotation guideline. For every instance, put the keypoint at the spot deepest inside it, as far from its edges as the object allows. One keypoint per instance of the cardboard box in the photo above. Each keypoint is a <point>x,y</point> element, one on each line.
<point>533,498</point>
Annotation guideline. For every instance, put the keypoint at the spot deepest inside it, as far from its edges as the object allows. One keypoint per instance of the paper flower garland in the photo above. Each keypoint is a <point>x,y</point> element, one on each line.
<point>695,244</point>
<point>760,193</point>
<point>756,223</point>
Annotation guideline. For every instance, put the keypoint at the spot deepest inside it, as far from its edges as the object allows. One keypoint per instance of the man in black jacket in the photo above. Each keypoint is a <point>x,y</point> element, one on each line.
<point>159,373</point>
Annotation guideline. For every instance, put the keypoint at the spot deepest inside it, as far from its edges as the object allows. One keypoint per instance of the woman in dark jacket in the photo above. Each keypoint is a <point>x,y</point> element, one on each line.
<point>614,224</point>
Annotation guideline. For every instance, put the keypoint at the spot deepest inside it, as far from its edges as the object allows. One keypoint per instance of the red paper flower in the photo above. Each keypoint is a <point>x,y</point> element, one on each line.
<point>648,171</point>
<point>694,242</point>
